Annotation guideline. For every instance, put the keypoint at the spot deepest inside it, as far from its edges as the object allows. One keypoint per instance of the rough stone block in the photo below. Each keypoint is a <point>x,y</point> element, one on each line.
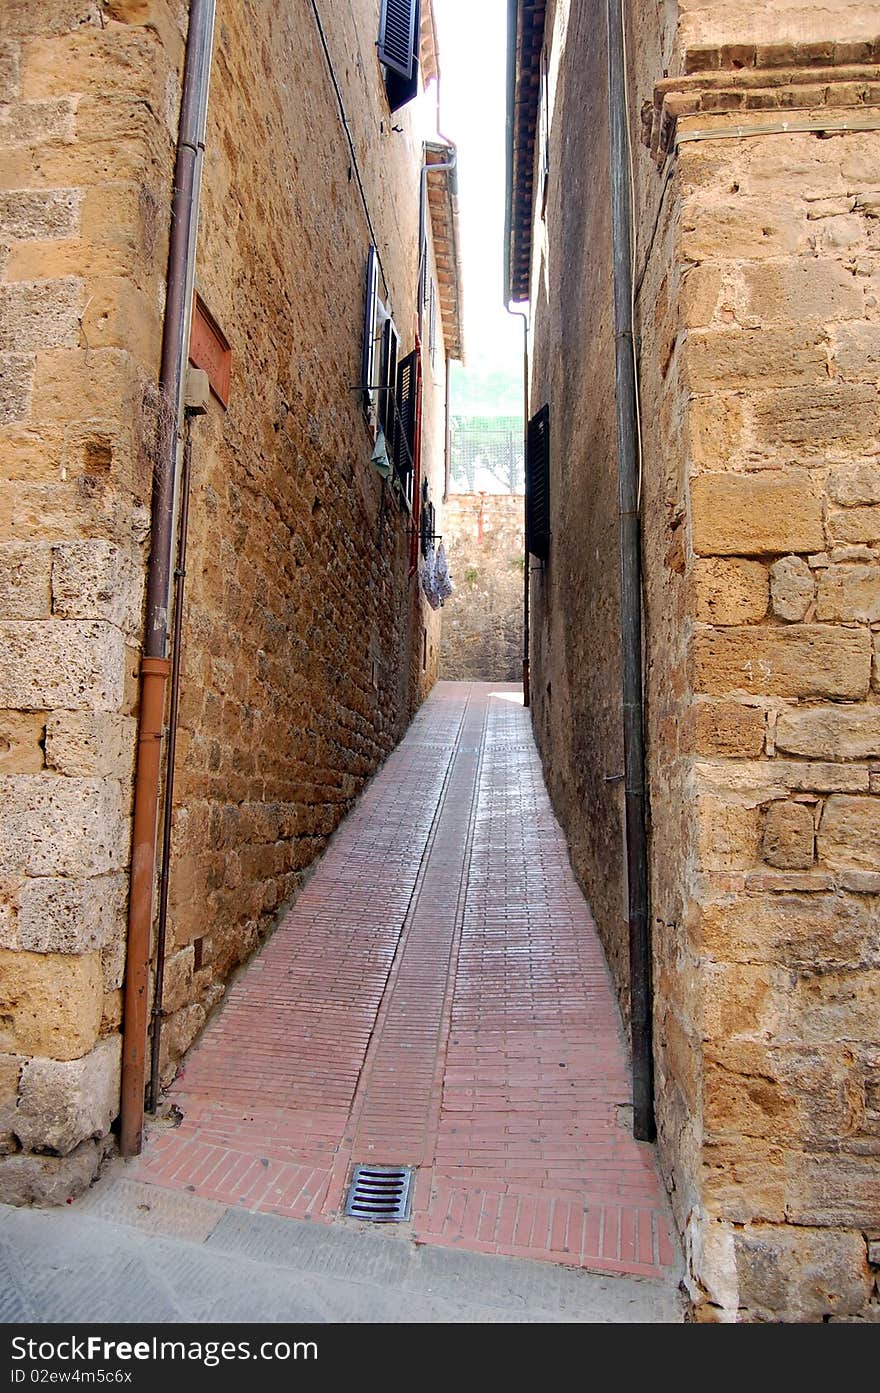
<point>21,742</point>
<point>51,1180</point>
<point>95,580</point>
<point>44,214</point>
<point>727,359</point>
<point>61,1103</point>
<point>75,384</point>
<point>808,1274</point>
<point>729,728</point>
<point>715,430</point>
<point>756,514</point>
<point>849,832</point>
<point>811,931</point>
<point>178,982</point>
<point>40,314</point>
<point>50,1004</point>
<point>800,661</point>
<point>857,351</point>
<point>178,1034</point>
<point>789,836</point>
<point>30,455</point>
<point>816,418</point>
<point>89,744</point>
<point>16,376</point>
<point>728,834</point>
<point>69,916</point>
<point>10,70</point>
<point>67,664</point>
<point>832,732</point>
<point>10,1072</point>
<point>34,123</point>
<point>839,1004</point>
<point>736,999</point>
<point>855,524</point>
<point>24,581</point>
<point>831,1190</point>
<point>791,588</point>
<point>57,826</point>
<point>730,591</point>
<point>743,1185</point>
<point>854,486</point>
<point>747,1104</point>
<point>849,593</point>
<point>795,291</point>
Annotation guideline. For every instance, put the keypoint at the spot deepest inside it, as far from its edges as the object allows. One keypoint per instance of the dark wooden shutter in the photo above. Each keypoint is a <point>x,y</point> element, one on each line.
<point>401,86</point>
<point>388,380</point>
<point>397,35</point>
<point>538,484</point>
<point>405,426</point>
<point>368,358</point>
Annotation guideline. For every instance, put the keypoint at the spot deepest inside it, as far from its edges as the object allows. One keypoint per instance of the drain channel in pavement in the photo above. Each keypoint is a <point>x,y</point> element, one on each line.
<point>380,1193</point>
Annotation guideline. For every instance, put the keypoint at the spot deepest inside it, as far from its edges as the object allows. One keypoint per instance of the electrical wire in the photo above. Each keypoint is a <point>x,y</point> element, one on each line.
<point>343,116</point>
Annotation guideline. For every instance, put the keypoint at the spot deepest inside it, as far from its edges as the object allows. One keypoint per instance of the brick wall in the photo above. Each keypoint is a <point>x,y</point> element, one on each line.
<point>757,266</point>
<point>303,636</point>
<point>482,619</point>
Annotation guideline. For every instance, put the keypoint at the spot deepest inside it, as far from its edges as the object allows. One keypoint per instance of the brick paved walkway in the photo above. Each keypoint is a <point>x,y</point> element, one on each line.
<point>437,997</point>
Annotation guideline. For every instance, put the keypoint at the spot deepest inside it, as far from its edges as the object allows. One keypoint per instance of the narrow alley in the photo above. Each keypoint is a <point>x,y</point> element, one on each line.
<point>437,997</point>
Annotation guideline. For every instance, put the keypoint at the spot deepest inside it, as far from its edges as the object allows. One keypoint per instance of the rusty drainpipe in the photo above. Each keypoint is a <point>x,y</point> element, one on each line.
<point>155,664</point>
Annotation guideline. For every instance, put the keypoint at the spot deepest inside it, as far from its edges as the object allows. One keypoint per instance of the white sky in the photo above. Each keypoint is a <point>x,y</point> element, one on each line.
<point>472,36</point>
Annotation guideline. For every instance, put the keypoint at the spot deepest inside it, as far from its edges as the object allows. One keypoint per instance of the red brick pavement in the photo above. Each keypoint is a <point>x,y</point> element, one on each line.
<point>436,997</point>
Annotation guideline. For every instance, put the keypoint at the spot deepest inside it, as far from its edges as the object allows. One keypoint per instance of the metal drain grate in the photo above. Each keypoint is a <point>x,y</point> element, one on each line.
<point>380,1193</point>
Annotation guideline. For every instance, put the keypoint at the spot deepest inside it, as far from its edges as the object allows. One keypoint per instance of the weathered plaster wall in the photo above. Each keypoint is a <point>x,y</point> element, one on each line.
<point>303,633</point>
<point>483,618</point>
<point>757,276</point>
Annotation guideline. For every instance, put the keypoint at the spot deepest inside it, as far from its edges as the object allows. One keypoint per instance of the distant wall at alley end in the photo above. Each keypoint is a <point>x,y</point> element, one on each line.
<point>481,636</point>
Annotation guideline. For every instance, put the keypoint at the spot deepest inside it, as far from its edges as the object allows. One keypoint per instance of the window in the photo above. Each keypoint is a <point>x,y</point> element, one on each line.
<point>406,433</point>
<point>399,30</point>
<point>371,311</point>
<point>388,379</point>
<point>543,135</point>
<point>538,484</point>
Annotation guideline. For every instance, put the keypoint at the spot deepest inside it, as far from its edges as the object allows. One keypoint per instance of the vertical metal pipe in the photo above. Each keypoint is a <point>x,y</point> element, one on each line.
<point>641,992</point>
<point>165,873</point>
<point>527,572</point>
<point>154,664</point>
<point>447,438</point>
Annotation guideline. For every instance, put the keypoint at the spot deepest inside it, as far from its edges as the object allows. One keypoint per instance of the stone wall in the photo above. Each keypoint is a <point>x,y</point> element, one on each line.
<point>757,275</point>
<point>85,171</point>
<point>306,644</point>
<point>482,619</point>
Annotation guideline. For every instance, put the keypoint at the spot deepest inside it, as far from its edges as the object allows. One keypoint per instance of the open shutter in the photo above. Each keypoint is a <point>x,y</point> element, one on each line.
<point>388,379</point>
<point>397,35</point>
<point>368,360</point>
<point>405,431</point>
<point>401,85</point>
<point>538,484</point>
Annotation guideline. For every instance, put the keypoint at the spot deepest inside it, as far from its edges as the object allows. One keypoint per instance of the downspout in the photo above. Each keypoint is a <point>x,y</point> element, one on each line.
<point>628,469</point>
<point>527,574</point>
<point>154,663</point>
<point>447,431</point>
<point>168,793</point>
<point>512,28</point>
